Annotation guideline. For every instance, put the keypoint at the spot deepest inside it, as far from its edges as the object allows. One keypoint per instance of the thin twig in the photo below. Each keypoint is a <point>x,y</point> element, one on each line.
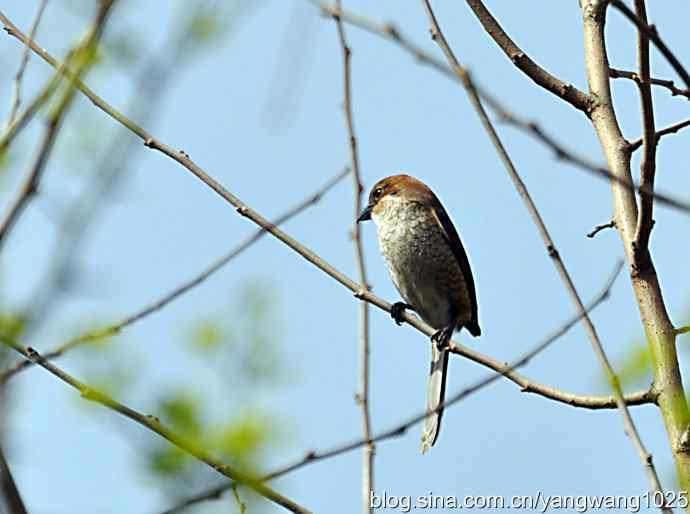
<point>599,228</point>
<point>401,428</point>
<point>651,32</point>
<point>628,423</point>
<point>156,306</point>
<point>362,396</point>
<point>26,54</point>
<point>561,152</point>
<point>645,221</point>
<point>671,129</point>
<point>668,84</point>
<point>154,424</point>
<point>82,56</point>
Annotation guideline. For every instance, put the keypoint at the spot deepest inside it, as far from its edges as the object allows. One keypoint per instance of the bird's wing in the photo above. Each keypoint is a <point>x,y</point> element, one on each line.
<point>453,239</point>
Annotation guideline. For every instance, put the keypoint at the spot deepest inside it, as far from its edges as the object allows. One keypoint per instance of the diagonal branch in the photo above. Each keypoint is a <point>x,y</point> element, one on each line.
<point>363,395</point>
<point>598,348</point>
<point>524,63</point>
<point>156,306</point>
<point>154,424</point>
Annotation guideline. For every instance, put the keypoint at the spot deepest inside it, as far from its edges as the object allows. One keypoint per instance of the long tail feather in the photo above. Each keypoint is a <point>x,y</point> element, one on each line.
<point>436,392</point>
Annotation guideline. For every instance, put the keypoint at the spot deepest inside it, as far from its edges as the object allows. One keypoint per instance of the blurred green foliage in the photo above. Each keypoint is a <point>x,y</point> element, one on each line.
<point>240,345</point>
<point>635,368</point>
<point>12,325</point>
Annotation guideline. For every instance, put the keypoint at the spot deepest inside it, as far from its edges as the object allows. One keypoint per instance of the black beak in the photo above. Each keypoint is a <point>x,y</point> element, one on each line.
<point>365,215</point>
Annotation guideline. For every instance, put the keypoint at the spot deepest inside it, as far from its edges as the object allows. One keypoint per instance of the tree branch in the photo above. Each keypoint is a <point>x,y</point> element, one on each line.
<point>599,228</point>
<point>628,423</point>
<point>668,84</point>
<point>660,336</point>
<point>362,396</point>
<point>524,63</point>
<point>154,424</point>
<point>17,93</point>
<point>671,129</point>
<point>156,306</point>
<point>651,33</point>
<point>645,221</point>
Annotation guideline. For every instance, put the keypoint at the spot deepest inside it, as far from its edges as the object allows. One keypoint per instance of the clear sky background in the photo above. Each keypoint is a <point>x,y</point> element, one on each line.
<point>260,110</point>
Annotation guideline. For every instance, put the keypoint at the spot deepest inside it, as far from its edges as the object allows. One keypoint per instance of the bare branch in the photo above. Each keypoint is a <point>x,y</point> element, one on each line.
<point>17,94</point>
<point>363,394</point>
<point>645,221</point>
<point>154,424</point>
<point>651,32</point>
<point>561,152</point>
<point>156,306</point>
<point>598,348</point>
<point>599,228</point>
<point>522,61</point>
<point>668,84</point>
<point>671,129</point>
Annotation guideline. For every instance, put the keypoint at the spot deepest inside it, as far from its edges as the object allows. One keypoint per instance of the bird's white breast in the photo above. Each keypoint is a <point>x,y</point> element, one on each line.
<point>420,260</point>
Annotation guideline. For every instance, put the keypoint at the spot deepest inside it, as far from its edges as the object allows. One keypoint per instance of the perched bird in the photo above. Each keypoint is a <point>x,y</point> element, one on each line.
<point>430,269</point>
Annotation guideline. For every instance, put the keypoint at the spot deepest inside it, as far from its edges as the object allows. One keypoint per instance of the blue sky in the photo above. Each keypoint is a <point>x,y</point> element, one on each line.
<point>261,112</point>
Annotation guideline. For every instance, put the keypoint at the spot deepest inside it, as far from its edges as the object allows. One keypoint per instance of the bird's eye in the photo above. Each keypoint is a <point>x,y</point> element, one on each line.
<point>378,192</point>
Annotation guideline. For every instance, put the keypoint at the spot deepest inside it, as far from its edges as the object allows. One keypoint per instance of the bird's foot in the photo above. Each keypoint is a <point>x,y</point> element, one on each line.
<point>398,311</point>
<point>442,337</point>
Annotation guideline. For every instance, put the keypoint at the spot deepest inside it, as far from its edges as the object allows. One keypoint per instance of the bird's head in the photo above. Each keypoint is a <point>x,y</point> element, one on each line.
<point>395,189</point>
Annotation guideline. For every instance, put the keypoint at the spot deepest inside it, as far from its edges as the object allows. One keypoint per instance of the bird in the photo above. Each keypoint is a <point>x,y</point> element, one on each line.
<point>430,269</point>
